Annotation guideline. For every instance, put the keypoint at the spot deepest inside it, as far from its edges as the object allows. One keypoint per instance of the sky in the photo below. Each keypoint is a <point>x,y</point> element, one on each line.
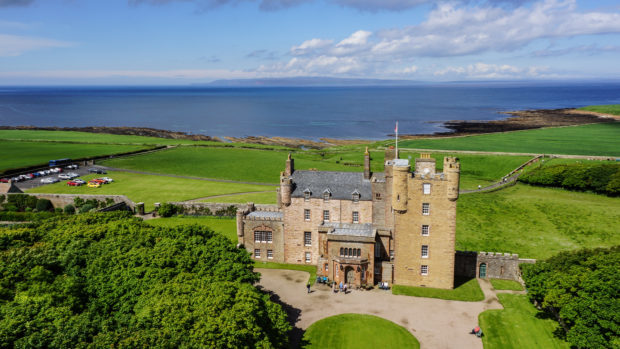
<point>180,42</point>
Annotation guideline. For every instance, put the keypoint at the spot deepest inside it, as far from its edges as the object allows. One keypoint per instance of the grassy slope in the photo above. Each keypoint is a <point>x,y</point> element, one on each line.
<point>257,198</point>
<point>506,285</point>
<point>357,331</point>
<point>151,189</point>
<point>225,226</point>
<point>516,326</point>
<point>469,291</point>
<point>17,154</point>
<point>613,109</point>
<point>536,222</point>
<point>596,139</point>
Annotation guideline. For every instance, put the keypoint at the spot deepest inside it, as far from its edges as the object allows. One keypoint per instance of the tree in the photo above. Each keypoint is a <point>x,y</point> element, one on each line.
<point>44,205</point>
<point>167,210</point>
<point>70,209</point>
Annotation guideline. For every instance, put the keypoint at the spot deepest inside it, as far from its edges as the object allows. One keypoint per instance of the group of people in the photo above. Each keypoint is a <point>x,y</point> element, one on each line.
<point>342,287</point>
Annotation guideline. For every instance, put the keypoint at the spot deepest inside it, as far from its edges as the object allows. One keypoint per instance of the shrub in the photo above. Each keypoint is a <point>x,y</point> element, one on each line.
<point>70,209</point>
<point>2,197</point>
<point>58,210</point>
<point>78,201</point>
<point>44,205</point>
<point>31,201</point>
<point>603,178</point>
<point>87,208</point>
<point>167,210</point>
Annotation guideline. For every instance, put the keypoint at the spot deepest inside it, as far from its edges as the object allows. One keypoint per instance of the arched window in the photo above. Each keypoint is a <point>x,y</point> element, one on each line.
<point>359,252</point>
<point>350,252</point>
<point>341,252</point>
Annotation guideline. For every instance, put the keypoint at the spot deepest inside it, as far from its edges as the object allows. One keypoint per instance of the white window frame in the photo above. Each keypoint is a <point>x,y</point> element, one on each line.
<point>325,215</point>
<point>424,270</point>
<point>306,196</point>
<point>269,254</point>
<point>269,236</point>
<point>426,188</point>
<point>308,257</point>
<point>257,253</point>
<point>426,209</point>
<point>356,217</point>
<point>426,230</point>
<point>424,251</point>
<point>257,236</point>
<point>307,238</point>
<point>306,214</point>
<point>326,195</point>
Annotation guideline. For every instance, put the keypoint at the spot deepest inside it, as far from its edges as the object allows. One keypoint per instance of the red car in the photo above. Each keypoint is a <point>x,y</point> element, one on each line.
<point>4,180</point>
<point>74,183</point>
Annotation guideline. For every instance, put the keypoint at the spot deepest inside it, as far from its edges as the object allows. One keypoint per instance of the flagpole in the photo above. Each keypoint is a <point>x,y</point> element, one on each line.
<point>396,154</point>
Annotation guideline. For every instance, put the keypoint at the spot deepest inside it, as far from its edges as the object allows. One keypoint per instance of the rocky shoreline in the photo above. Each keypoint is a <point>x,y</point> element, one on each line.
<point>519,120</point>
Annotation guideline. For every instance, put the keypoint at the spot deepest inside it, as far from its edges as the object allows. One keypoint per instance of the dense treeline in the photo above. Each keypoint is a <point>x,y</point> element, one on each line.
<point>582,290</point>
<point>603,178</point>
<point>109,280</point>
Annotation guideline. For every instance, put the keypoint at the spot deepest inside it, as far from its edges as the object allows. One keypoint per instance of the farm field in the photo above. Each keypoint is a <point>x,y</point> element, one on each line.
<point>356,331</point>
<point>536,222</point>
<point>594,139</point>
<point>613,109</point>
<point>151,189</point>
<point>17,154</point>
<point>265,166</point>
<point>224,226</point>
<point>516,326</point>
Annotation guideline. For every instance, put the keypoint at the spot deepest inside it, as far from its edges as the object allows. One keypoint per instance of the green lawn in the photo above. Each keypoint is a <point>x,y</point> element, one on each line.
<point>356,331</point>
<point>257,198</point>
<point>536,222</point>
<point>517,326</point>
<point>613,109</point>
<point>467,291</point>
<point>595,139</point>
<point>510,285</point>
<point>225,226</point>
<point>16,154</point>
<point>151,189</point>
<point>311,269</point>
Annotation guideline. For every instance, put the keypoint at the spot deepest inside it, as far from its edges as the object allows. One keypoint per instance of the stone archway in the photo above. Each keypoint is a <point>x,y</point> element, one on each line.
<point>349,273</point>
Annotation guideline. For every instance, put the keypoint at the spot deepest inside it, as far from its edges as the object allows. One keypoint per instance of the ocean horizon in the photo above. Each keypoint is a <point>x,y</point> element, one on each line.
<point>364,112</point>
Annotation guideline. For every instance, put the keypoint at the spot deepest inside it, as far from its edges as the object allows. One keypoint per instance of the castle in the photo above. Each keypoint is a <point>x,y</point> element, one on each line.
<point>362,228</point>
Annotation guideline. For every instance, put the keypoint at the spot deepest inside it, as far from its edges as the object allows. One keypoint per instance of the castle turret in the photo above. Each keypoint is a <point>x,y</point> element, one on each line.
<point>452,173</point>
<point>285,189</point>
<point>400,175</point>
<point>290,166</point>
<point>366,164</point>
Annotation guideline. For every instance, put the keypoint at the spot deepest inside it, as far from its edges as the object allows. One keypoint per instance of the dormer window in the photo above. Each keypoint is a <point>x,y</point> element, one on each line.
<point>307,194</point>
<point>355,196</point>
<point>326,195</point>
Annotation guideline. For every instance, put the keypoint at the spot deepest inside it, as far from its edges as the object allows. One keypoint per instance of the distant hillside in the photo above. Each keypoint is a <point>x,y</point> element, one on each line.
<point>310,81</point>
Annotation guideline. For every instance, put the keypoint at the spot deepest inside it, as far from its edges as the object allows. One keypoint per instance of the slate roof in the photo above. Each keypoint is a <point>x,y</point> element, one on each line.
<point>342,185</point>
<point>351,229</point>
<point>266,214</point>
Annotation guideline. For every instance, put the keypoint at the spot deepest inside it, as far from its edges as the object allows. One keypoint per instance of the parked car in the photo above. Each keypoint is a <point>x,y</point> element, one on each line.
<point>74,183</point>
<point>49,180</point>
<point>93,184</point>
<point>97,170</point>
<point>99,180</point>
<point>72,167</point>
<point>4,180</point>
<point>107,179</point>
<point>73,175</point>
<point>80,181</point>
<point>64,176</point>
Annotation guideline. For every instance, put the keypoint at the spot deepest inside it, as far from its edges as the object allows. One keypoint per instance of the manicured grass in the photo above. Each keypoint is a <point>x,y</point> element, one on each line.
<point>595,139</point>
<point>517,326</point>
<point>613,109</point>
<point>224,226</point>
<point>301,267</point>
<point>357,331</point>
<point>467,291</point>
<point>536,222</point>
<point>510,285</point>
<point>151,189</point>
<point>16,154</point>
<point>257,198</point>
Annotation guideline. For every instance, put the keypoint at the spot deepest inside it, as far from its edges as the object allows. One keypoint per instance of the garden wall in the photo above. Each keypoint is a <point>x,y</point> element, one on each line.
<point>497,265</point>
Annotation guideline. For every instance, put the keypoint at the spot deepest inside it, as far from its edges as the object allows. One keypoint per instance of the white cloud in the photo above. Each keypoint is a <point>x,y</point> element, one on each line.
<point>310,46</point>
<point>410,70</point>
<point>492,71</point>
<point>16,45</point>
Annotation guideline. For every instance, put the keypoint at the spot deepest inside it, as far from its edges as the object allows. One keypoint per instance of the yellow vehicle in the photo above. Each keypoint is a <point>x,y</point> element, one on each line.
<point>92,184</point>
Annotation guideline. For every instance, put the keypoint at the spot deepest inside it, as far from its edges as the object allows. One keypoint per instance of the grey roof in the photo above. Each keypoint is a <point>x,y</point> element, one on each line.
<point>266,214</point>
<point>351,229</point>
<point>342,185</point>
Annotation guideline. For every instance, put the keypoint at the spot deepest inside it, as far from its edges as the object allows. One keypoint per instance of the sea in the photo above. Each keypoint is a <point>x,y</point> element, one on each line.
<point>297,112</point>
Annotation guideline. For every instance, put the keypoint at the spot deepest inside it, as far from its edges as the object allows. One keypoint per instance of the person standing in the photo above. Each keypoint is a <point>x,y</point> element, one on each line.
<point>308,287</point>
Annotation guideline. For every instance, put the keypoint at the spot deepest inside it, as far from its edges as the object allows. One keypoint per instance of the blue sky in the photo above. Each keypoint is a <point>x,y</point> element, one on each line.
<point>196,41</point>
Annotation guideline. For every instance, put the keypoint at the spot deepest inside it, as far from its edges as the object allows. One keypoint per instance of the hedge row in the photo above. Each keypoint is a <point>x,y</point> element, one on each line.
<point>601,178</point>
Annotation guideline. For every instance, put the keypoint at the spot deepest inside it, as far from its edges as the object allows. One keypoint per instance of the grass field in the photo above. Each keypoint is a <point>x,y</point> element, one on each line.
<point>151,189</point>
<point>356,331</point>
<point>17,154</point>
<point>510,285</point>
<point>517,326</point>
<point>257,198</point>
<point>595,139</point>
<point>613,109</point>
<point>310,269</point>
<point>224,226</point>
<point>536,222</point>
<point>467,291</point>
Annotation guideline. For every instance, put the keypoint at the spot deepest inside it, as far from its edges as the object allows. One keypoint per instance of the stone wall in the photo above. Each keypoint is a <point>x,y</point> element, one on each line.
<point>199,208</point>
<point>498,265</point>
<point>62,200</point>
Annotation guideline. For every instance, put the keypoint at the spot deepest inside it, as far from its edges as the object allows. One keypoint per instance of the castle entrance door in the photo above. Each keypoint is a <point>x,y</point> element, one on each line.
<point>349,273</point>
<point>483,270</point>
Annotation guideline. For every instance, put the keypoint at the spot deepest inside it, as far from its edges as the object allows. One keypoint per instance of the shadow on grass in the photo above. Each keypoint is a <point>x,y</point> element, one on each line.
<point>296,334</point>
<point>461,280</point>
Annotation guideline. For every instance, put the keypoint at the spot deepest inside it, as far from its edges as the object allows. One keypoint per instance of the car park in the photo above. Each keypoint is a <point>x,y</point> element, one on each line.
<point>64,176</point>
<point>74,183</point>
<point>73,175</point>
<point>97,170</point>
<point>93,184</point>
<point>50,180</point>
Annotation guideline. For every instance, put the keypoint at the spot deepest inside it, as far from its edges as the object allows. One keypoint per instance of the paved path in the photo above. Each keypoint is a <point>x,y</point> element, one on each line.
<point>435,323</point>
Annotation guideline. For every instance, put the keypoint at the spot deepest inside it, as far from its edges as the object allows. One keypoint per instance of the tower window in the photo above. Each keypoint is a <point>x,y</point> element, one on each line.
<point>426,188</point>
<point>307,238</point>
<point>306,214</point>
<point>425,230</point>
<point>424,269</point>
<point>326,215</point>
<point>257,253</point>
<point>426,209</point>
<point>424,251</point>
<point>307,257</point>
<point>270,254</point>
<point>356,217</point>
<point>356,197</point>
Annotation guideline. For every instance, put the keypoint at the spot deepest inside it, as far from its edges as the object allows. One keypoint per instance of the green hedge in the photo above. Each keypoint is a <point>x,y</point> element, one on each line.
<point>601,178</point>
<point>24,216</point>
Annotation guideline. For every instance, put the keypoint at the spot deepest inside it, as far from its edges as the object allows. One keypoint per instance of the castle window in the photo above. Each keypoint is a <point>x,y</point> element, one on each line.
<point>377,196</point>
<point>326,215</point>
<point>307,238</point>
<point>351,252</point>
<point>269,236</point>
<point>426,188</point>
<point>326,266</point>
<point>326,195</point>
<point>356,196</point>
<point>424,251</point>
<point>307,195</point>
<point>306,215</point>
<point>257,236</point>
<point>269,254</point>
<point>426,209</point>
<point>341,252</point>
<point>307,257</point>
<point>356,217</point>
<point>257,253</point>
<point>263,236</point>
<point>425,230</point>
<point>424,269</point>
<point>359,253</point>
